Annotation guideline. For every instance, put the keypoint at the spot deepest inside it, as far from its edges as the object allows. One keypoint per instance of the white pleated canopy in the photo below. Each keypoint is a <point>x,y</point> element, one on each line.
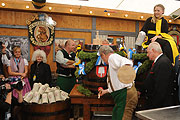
<point>144,6</point>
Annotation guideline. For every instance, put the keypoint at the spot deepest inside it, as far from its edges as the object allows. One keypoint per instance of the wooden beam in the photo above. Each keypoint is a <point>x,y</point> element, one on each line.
<point>79,10</point>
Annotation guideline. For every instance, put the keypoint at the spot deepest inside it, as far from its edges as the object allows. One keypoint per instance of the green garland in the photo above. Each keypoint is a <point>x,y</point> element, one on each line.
<point>144,67</point>
<point>139,56</point>
<point>88,67</point>
<point>87,55</point>
<point>146,63</point>
<point>121,53</point>
<point>84,91</point>
<point>91,58</point>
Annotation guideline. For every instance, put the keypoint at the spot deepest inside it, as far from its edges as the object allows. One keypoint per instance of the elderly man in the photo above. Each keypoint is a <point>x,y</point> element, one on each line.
<point>124,95</point>
<point>159,84</point>
<point>65,60</point>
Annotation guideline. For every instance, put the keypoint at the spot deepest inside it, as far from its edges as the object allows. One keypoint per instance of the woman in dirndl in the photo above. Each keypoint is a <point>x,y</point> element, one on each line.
<point>18,68</point>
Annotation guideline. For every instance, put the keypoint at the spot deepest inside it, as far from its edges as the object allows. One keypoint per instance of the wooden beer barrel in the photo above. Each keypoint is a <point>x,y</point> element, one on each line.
<point>93,82</point>
<point>55,111</point>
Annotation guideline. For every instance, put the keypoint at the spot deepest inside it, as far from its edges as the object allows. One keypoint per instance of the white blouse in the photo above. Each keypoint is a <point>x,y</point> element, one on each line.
<point>25,62</point>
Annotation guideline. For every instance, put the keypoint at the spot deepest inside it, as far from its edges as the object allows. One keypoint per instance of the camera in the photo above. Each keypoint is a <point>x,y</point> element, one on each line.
<point>15,83</point>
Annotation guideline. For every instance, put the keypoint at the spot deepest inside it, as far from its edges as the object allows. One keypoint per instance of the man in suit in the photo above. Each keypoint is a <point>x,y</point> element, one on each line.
<point>159,84</point>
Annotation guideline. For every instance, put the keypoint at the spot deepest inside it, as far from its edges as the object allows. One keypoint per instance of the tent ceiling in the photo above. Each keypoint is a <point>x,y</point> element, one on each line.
<point>144,6</point>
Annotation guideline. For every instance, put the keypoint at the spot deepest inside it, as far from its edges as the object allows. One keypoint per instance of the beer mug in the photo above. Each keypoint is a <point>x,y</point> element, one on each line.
<point>28,97</point>
<point>51,97</point>
<point>57,95</point>
<point>36,97</point>
<point>44,98</point>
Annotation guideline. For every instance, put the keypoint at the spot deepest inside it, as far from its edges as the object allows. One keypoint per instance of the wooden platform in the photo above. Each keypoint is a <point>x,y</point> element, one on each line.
<point>91,103</point>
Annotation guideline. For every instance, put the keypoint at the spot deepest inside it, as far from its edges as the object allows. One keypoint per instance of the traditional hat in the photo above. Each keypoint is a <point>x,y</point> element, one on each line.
<point>126,74</point>
<point>38,3</point>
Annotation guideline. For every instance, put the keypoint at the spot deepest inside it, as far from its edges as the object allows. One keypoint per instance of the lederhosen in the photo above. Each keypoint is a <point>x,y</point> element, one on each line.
<point>123,98</point>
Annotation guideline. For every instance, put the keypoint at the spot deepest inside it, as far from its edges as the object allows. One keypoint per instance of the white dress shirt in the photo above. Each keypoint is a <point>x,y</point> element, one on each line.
<point>115,62</point>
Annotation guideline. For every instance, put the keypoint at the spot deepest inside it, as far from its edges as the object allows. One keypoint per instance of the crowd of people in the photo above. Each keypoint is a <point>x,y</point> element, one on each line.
<point>17,67</point>
<point>160,86</point>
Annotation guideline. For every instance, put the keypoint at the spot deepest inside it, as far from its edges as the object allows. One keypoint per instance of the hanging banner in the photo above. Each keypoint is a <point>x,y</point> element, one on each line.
<point>41,31</point>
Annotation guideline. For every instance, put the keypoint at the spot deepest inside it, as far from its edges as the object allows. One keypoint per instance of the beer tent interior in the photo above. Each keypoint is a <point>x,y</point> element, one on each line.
<point>144,6</point>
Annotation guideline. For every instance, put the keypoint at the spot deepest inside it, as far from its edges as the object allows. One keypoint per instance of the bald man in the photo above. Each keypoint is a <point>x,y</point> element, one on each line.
<point>159,84</point>
<point>65,60</point>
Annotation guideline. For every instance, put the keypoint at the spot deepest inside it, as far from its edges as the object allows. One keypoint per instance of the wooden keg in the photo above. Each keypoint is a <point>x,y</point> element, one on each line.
<point>93,82</point>
<point>55,111</point>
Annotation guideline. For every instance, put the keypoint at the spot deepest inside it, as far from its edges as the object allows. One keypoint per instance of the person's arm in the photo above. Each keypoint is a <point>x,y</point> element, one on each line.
<point>48,73</point>
<point>70,62</point>
<point>146,25</point>
<point>4,59</point>
<point>20,95</point>
<point>155,38</point>
<point>63,61</point>
<point>25,68</point>
<point>68,66</point>
<point>25,71</point>
<point>102,92</point>
<point>165,26</point>
<point>8,98</point>
<point>60,58</point>
<point>13,73</point>
<point>162,82</point>
<point>31,75</point>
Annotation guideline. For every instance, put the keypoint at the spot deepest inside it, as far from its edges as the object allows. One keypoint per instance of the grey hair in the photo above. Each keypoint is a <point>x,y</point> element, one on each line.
<point>106,49</point>
<point>156,46</point>
<point>41,53</point>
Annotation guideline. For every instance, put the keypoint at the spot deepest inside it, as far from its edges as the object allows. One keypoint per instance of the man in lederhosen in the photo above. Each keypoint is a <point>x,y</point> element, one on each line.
<point>65,60</point>
<point>123,92</point>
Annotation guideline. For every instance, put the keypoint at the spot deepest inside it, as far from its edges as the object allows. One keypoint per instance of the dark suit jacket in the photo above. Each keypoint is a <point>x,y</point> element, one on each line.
<point>42,72</point>
<point>159,84</point>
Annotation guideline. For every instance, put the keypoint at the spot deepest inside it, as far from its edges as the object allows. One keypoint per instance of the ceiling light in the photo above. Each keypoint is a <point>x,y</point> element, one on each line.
<point>108,14</point>
<point>126,15</point>
<point>3,4</point>
<point>70,10</point>
<point>50,8</point>
<point>90,12</point>
<point>27,6</point>
<point>170,20</point>
<point>142,17</point>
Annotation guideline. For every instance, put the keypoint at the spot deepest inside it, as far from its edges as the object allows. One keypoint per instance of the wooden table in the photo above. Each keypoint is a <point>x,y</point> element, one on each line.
<point>88,102</point>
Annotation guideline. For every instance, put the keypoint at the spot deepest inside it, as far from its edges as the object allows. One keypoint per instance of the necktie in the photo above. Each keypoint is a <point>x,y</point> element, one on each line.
<point>152,65</point>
